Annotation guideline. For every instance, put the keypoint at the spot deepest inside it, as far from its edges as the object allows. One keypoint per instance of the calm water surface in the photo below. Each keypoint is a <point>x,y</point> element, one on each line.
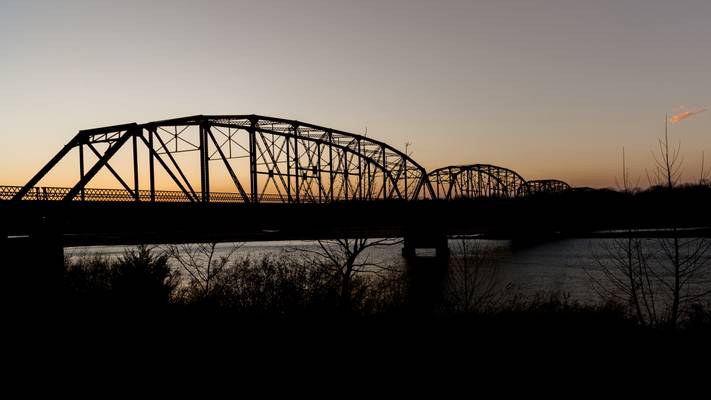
<point>554,266</point>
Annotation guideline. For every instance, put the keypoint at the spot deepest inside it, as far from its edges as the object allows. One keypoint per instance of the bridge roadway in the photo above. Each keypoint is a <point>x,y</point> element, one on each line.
<point>86,224</point>
<point>93,223</point>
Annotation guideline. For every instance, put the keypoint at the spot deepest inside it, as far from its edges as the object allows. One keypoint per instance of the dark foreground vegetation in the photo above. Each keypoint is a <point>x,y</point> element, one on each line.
<point>190,299</point>
<point>300,309</point>
<point>293,288</point>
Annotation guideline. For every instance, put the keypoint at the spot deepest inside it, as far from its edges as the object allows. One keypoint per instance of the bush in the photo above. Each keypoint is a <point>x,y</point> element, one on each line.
<point>138,278</point>
<point>287,285</point>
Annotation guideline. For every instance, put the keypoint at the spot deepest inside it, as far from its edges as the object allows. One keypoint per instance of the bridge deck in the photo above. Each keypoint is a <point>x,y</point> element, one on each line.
<point>101,222</point>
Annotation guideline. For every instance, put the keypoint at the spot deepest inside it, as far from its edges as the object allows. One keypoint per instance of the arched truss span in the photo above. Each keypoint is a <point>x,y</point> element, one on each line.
<point>263,159</point>
<point>546,186</point>
<point>477,180</point>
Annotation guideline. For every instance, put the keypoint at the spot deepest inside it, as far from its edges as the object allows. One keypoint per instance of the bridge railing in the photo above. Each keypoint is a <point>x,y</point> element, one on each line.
<point>47,193</point>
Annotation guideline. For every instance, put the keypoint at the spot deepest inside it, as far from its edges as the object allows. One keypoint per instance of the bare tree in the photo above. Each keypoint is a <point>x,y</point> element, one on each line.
<point>202,264</point>
<point>705,173</point>
<point>625,185</point>
<point>626,276</point>
<point>659,285</point>
<point>345,259</point>
<point>685,262</point>
<point>668,162</point>
<point>472,280</point>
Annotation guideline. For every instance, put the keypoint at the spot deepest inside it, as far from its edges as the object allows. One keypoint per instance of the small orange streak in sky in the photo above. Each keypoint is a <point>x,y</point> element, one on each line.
<point>684,115</point>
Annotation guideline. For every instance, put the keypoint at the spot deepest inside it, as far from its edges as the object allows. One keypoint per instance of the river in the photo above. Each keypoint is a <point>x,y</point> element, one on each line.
<point>564,266</point>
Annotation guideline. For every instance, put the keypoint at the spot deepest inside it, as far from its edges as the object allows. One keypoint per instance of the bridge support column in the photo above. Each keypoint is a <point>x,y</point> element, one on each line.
<point>33,269</point>
<point>427,260</point>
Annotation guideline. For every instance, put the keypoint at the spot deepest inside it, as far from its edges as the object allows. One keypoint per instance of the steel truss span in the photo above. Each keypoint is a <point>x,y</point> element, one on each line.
<point>264,159</point>
<point>546,186</point>
<point>485,180</point>
<point>476,180</point>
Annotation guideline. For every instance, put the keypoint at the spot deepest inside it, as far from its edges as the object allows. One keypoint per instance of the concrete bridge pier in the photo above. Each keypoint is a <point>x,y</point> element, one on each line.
<point>427,259</point>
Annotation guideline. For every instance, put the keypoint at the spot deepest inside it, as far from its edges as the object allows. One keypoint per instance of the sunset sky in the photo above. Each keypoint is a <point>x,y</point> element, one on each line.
<point>549,88</point>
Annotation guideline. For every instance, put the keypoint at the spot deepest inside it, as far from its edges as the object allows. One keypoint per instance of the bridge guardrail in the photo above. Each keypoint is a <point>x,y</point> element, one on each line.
<point>47,193</point>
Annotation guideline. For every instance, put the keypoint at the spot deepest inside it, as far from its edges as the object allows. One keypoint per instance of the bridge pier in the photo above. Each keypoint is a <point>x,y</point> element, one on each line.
<point>427,258</point>
<point>33,267</point>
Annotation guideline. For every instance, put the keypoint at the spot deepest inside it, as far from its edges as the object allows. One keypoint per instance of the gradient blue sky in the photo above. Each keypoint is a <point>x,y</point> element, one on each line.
<point>552,89</point>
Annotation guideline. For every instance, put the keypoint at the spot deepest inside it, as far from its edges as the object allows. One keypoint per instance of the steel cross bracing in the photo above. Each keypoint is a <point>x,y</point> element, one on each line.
<point>266,159</point>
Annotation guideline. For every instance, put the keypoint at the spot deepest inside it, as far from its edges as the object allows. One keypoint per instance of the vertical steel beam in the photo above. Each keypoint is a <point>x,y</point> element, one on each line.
<point>437,182</point>
<point>81,168</point>
<point>404,160</point>
<point>369,182</point>
<point>318,171</point>
<point>296,162</point>
<point>135,165</point>
<point>385,174</point>
<point>253,159</point>
<point>151,166</point>
<point>345,173</point>
<point>207,163</point>
<point>288,170</point>
<point>204,164</point>
<point>229,139</point>
<point>360,172</point>
<point>330,163</point>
